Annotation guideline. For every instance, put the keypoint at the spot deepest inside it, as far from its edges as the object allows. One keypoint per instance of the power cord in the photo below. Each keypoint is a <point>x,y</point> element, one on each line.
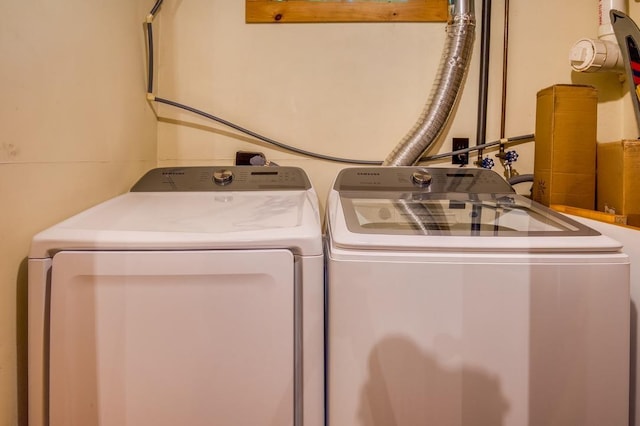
<point>152,98</point>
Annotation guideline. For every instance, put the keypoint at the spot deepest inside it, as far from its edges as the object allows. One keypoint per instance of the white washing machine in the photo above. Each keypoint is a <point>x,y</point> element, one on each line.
<point>195,299</point>
<point>451,300</point>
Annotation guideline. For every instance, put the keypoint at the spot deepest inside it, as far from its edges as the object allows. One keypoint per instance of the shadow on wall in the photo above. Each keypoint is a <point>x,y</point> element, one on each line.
<point>22,344</point>
<point>407,386</point>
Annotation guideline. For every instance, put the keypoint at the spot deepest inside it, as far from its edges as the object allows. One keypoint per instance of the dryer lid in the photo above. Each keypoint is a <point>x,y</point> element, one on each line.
<point>190,221</point>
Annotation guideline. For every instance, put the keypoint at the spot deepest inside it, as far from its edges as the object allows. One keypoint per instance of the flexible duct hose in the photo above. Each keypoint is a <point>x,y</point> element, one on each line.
<point>447,86</point>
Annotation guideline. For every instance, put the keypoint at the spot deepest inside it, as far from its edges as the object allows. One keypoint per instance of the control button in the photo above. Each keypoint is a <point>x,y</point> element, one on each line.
<point>421,178</point>
<point>222,177</point>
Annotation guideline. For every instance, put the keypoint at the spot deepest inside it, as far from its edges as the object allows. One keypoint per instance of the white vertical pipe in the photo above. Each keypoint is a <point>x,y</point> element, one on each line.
<point>605,30</point>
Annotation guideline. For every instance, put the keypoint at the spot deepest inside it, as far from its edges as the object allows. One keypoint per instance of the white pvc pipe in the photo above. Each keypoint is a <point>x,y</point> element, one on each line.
<point>605,30</point>
<point>603,53</point>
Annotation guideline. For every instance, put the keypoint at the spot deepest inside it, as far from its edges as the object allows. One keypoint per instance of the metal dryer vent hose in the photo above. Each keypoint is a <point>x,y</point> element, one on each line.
<point>456,57</point>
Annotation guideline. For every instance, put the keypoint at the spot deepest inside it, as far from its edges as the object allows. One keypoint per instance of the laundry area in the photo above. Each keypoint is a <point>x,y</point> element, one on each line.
<point>319,212</point>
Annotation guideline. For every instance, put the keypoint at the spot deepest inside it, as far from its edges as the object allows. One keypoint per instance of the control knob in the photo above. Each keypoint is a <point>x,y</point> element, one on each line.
<point>421,178</point>
<point>222,177</point>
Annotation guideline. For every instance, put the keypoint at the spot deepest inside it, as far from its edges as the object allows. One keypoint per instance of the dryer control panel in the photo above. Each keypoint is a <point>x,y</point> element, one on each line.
<point>232,178</point>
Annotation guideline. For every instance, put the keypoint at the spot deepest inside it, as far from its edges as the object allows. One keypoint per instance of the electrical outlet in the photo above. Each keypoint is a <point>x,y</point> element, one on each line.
<point>458,144</point>
<point>250,158</point>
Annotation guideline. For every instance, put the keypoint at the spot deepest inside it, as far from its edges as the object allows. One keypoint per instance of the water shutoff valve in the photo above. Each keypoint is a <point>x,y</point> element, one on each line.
<point>487,163</point>
<point>510,157</point>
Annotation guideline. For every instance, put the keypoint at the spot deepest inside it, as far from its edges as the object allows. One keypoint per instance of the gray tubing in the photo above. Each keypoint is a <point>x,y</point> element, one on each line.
<point>520,179</point>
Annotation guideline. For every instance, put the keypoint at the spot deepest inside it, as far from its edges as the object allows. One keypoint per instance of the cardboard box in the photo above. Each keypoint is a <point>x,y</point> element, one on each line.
<point>565,148</point>
<point>618,174</point>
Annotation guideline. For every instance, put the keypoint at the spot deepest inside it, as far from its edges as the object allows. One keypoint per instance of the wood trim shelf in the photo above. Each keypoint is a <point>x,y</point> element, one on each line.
<point>288,11</point>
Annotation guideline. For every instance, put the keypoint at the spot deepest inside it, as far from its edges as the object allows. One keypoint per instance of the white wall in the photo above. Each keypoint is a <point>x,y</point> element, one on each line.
<point>75,130</point>
<point>354,90</point>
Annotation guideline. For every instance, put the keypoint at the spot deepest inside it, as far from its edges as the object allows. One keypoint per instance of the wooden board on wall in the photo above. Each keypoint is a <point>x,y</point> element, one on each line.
<point>283,11</point>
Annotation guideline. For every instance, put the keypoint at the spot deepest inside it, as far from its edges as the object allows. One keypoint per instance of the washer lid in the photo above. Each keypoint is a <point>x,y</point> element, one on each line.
<point>393,208</point>
<point>191,220</point>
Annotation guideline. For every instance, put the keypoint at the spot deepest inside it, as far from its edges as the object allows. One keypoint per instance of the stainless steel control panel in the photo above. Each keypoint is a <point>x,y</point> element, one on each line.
<point>421,179</point>
<point>232,178</point>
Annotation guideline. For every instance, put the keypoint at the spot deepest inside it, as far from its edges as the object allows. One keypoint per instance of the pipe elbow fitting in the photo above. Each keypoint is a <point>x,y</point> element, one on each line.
<point>593,55</point>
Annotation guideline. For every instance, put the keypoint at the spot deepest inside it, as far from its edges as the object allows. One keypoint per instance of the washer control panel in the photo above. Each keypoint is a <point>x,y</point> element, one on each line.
<point>421,179</point>
<point>231,178</point>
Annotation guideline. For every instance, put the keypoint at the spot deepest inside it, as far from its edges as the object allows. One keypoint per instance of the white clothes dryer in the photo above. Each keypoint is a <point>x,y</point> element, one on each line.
<point>453,301</point>
<point>194,299</point>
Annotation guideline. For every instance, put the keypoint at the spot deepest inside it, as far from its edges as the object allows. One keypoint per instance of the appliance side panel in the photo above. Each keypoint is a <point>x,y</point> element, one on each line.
<point>39,271</point>
<point>310,274</point>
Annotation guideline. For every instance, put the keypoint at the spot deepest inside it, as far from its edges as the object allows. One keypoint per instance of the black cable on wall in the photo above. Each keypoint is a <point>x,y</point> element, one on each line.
<point>151,97</point>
